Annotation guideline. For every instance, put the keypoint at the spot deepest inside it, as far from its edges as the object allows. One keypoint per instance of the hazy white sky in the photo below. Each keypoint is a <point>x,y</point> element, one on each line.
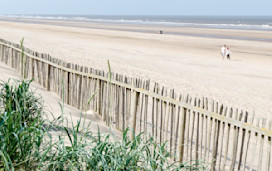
<point>138,7</point>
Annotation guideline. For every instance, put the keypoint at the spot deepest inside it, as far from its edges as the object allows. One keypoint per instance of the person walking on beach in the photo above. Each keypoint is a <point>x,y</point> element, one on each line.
<point>223,51</point>
<point>228,53</point>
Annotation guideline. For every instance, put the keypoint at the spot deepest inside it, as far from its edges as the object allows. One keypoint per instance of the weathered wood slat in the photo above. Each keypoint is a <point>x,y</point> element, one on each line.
<point>201,131</point>
<point>141,120</point>
<point>153,110</point>
<point>164,109</point>
<point>123,114</point>
<point>268,160</point>
<point>156,113</point>
<point>242,142</point>
<point>197,132</point>
<point>134,107</point>
<point>128,101</point>
<point>177,129</point>
<point>193,113</point>
<point>182,132</point>
<point>216,136</point>
<point>230,114</point>
<point>253,156</point>
<point>146,108</point>
<point>117,95</point>
<point>125,102</point>
<point>172,116</point>
<point>188,116</point>
<point>167,117</point>
<point>221,142</point>
<point>206,118</point>
<point>260,161</point>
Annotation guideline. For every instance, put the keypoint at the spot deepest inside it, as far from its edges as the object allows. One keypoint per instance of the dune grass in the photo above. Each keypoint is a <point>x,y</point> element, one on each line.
<point>21,125</point>
<point>27,141</point>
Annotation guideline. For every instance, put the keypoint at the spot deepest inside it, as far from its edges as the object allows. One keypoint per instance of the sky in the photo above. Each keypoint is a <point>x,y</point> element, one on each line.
<point>138,7</point>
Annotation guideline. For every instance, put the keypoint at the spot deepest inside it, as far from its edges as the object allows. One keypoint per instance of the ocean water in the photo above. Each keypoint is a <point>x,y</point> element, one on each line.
<point>228,22</point>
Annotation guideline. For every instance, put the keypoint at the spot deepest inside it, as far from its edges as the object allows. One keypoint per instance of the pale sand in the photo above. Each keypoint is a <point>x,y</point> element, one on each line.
<point>188,64</point>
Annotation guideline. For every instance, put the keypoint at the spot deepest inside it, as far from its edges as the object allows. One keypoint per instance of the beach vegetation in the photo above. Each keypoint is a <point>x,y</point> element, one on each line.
<point>29,141</point>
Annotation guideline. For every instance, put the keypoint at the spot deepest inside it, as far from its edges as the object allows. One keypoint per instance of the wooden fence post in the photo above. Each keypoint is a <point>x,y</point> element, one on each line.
<point>134,108</point>
<point>98,96</point>
<point>242,143</point>
<point>260,164</point>
<point>268,160</point>
<point>182,132</point>
<point>48,76</point>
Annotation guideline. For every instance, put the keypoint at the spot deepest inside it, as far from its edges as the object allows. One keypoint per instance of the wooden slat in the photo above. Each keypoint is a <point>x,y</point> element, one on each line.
<point>172,114</point>
<point>192,132</point>
<point>48,77</point>
<point>253,156</point>
<point>129,99</point>
<point>134,102</point>
<point>201,131</point>
<point>141,121</point>
<point>125,101</point>
<point>168,106</point>
<point>268,160</point>
<point>117,102</point>
<point>216,137</point>
<point>197,132</point>
<point>79,93</point>
<point>220,155</point>
<point>68,90</point>
<point>260,161</point>
<point>162,117</point>
<point>188,116</point>
<point>123,114</point>
<point>98,95</point>
<point>146,107</point>
<point>206,150</point>
<point>227,140</point>
<point>247,142</point>
<point>242,142</point>
<point>177,129</point>
<point>138,106</point>
<point>164,108</point>
<point>182,132</point>
<point>156,122</point>
<point>235,142</point>
<point>59,84</point>
<point>210,132</point>
<point>153,110</point>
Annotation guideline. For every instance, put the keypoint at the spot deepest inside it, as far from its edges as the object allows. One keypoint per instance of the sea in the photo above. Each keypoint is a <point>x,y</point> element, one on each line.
<point>263,23</point>
<point>220,22</point>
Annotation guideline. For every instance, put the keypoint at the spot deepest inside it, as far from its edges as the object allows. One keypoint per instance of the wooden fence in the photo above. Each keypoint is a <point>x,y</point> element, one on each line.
<point>195,128</point>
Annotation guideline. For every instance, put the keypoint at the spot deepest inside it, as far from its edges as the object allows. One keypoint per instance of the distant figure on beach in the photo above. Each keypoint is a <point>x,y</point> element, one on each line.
<point>228,53</point>
<point>223,51</point>
<point>161,32</point>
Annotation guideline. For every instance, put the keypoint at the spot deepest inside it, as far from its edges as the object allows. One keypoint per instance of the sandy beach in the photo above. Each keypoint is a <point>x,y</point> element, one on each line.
<point>189,62</point>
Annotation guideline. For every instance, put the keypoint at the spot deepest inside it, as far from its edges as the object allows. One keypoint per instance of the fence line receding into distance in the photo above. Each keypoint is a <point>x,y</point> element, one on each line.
<point>195,128</point>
